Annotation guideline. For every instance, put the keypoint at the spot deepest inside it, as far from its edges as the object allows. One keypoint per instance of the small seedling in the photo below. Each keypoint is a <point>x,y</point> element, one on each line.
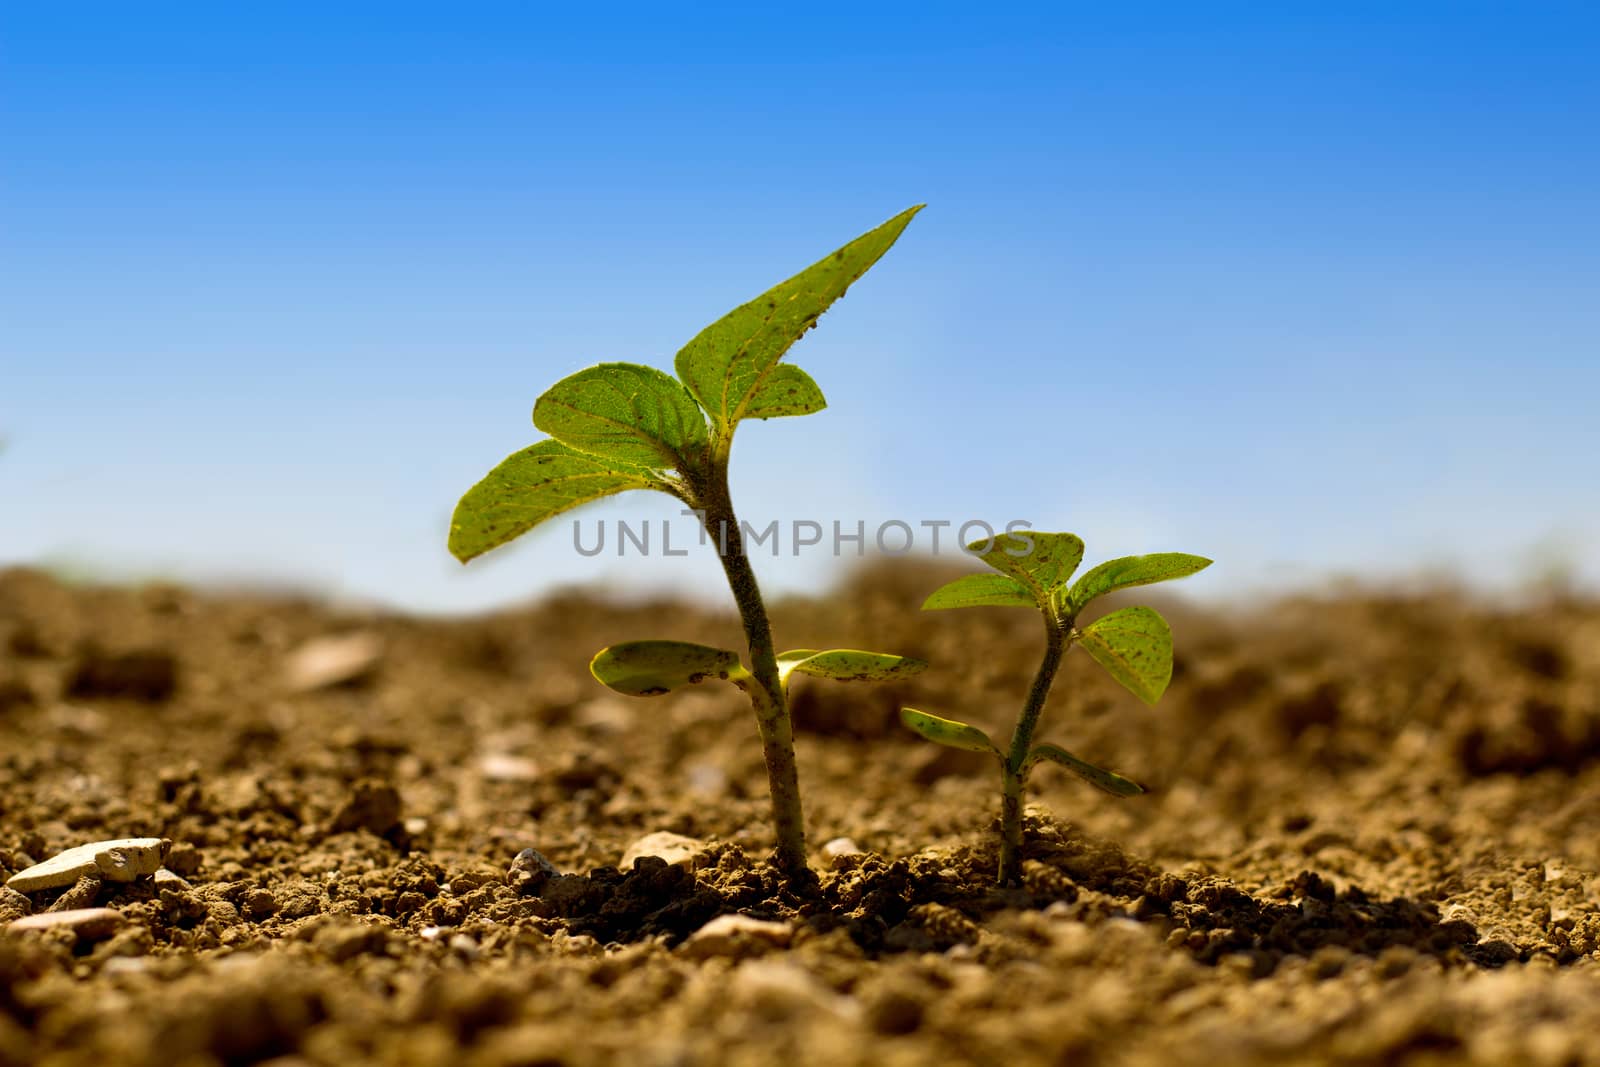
<point>621,426</point>
<point>1133,644</point>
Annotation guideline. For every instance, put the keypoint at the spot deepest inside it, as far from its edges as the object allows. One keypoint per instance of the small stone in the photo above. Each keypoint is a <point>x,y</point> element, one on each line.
<point>676,849</point>
<point>165,879</point>
<point>90,924</point>
<point>502,767</point>
<point>129,862</point>
<point>115,861</point>
<point>735,936</point>
<point>324,662</point>
<point>841,846</point>
<point>529,872</point>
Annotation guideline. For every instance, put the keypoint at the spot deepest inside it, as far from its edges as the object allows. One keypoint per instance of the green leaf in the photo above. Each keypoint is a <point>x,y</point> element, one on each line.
<point>529,487</point>
<point>788,660</point>
<point>788,390</point>
<point>626,412</point>
<point>1131,571</point>
<point>650,668</point>
<point>980,590</point>
<point>947,731</point>
<point>846,665</point>
<point>1135,646</point>
<point>729,363</point>
<point>1098,777</point>
<point>1040,561</point>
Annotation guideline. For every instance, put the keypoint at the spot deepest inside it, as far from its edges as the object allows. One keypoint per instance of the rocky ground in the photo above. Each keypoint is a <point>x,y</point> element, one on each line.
<point>1373,837</point>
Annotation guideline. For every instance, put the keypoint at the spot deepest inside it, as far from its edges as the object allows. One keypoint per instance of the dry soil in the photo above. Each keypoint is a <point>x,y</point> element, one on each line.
<point>1373,836</point>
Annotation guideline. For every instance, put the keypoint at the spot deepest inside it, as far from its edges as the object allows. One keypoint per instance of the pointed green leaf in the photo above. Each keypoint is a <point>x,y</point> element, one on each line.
<point>980,590</point>
<point>650,668</point>
<point>788,660</point>
<point>1040,561</point>
<point>1130,571</point>
<point>529,487</point>
<point>1098,777</point>
<point>788,390</point>
<point>847,665</point>
<point>729,362</point>
<point>1135,646</point>
<point>626,412</point>
<point>947,731</point>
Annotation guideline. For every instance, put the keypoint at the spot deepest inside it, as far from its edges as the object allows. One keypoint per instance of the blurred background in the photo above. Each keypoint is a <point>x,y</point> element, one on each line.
<point>1310,290</point>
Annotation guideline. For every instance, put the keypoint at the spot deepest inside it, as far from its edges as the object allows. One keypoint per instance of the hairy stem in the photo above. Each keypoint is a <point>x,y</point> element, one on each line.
<point>766,694</point>
<point>1013,768</point>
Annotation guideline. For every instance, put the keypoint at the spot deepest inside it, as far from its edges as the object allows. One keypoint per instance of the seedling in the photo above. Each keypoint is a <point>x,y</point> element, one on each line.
<point>1133,644</point>
<point>621,426</point>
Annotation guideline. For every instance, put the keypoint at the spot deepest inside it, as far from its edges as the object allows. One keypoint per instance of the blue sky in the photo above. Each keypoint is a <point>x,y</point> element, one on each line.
<point>1307,288</point>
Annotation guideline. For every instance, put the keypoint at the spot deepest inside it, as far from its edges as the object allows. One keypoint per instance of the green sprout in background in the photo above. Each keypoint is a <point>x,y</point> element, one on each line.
<point>621,426</point>
<point>1133,644</point>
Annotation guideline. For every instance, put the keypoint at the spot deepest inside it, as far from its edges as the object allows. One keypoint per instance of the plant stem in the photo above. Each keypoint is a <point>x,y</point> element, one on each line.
<point>1021,742</point>
<point>766,695</point>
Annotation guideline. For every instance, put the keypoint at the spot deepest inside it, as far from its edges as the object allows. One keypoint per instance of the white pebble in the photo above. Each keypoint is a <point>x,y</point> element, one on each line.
<point>114,861</point>
<point>676,849</point>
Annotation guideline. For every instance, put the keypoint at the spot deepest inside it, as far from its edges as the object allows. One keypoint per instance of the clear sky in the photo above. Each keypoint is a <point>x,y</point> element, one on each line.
<point>1313,289</point>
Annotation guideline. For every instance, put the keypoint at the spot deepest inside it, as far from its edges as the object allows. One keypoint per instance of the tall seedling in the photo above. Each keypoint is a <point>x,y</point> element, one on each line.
<point>621,426</point>
<point>1133,644</point>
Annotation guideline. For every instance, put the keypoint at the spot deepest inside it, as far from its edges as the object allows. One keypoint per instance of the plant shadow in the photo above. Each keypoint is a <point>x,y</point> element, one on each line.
<point>941,898</point>
<point>1213,919</point>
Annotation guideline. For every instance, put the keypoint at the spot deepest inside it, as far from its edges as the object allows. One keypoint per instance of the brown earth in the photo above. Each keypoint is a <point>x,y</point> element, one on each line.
<point>1373,837</point>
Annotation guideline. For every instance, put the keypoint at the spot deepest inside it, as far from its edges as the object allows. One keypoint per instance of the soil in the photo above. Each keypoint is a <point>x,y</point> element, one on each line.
<point>1373,836</point>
